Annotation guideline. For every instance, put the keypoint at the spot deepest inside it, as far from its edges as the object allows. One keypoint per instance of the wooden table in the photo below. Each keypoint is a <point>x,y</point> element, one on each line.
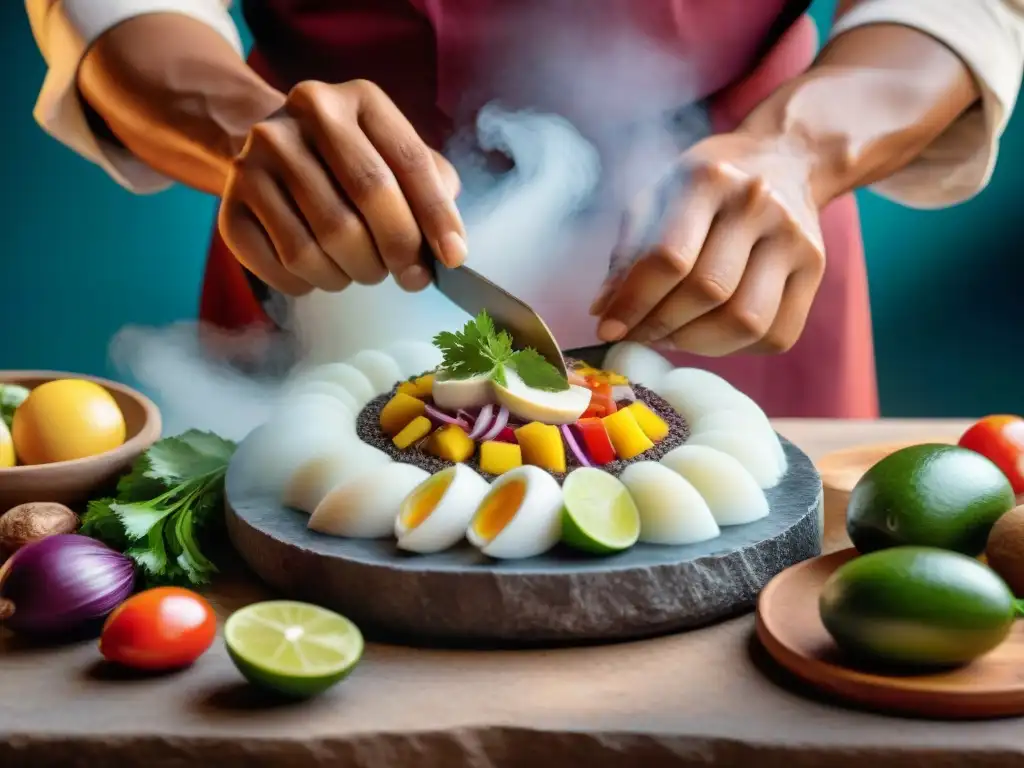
<point>697,699</point>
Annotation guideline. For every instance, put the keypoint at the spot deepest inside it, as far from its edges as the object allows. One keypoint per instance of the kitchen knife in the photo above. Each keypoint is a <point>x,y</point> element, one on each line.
<point>475,293</point>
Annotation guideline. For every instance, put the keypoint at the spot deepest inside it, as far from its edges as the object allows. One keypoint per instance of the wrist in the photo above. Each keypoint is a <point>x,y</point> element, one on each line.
<point>176,95</point>
<point>798,123</point>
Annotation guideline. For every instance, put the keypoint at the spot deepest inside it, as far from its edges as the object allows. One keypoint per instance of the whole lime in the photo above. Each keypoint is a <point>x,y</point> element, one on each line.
<point>929,495</point>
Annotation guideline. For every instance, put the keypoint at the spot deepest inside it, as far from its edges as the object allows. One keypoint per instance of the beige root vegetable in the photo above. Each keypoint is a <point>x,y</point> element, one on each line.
<point>30,522</point>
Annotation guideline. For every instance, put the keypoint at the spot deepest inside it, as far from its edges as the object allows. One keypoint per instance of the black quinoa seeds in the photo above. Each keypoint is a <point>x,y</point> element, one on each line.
<point>368,429</point>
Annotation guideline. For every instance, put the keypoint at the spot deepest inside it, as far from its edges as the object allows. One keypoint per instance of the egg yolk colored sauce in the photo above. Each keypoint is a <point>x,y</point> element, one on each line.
<point>498,509</point>
<point>425,500</point>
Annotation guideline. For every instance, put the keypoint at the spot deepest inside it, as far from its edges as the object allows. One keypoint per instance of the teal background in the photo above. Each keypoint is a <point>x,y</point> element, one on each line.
<point>945,285</point>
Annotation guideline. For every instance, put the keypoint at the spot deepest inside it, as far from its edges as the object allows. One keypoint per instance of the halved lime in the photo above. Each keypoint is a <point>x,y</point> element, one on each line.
<point>292,648</point>
<point>600,515</point>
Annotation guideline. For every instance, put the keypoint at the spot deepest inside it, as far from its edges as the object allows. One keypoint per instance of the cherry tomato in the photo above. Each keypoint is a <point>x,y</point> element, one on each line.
<point>1000,439</point>
<point>159,629</point>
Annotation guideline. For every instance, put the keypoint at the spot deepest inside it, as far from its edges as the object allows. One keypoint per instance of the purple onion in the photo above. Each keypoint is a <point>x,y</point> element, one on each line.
<point>438,416</point>
<point>483,422</point>
<point>499,423</point>
<point>579,453</point>
<point>63,582</point>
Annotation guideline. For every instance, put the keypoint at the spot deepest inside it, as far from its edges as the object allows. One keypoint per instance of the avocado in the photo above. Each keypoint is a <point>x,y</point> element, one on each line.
<point>916,606</point>
<point>930,495</point>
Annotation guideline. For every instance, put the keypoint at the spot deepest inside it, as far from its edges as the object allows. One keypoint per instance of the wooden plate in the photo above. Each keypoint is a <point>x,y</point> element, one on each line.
<point>791,631</point>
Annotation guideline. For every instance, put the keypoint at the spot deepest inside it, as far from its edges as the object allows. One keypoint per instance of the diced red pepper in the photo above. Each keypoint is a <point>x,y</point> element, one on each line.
<point>601,401</point>
<point>507,435</point>
<point>595,440</point>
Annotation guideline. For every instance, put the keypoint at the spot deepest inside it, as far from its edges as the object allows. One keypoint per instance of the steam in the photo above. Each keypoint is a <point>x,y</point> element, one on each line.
<point>588,125</point>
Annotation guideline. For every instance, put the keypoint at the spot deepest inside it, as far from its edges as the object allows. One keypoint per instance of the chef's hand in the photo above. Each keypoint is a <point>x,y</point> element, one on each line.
<point>725,255</point>
<point>336,188</point>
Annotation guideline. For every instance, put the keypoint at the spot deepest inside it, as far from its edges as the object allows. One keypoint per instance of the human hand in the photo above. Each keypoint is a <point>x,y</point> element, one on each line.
<point>337,187</point>
<point>725,255</point>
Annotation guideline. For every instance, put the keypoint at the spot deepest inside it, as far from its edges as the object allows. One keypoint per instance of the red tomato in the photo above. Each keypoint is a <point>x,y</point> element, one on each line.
<point>1000,439</point>
<point>159,629</point>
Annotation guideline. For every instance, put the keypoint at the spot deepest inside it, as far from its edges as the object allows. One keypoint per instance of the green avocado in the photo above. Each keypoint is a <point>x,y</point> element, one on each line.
<point>929,495</point>
<point>916,606</point>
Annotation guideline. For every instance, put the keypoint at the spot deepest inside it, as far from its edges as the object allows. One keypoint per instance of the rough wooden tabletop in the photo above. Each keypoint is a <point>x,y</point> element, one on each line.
<point>697,699</point>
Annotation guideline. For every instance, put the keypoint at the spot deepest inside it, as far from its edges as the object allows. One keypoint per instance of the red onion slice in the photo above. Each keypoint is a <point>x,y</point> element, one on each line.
<point>499,423</point>
<point>623,392</point>
<point>483,422</point>
<point>436,415</point>
<point>466,416</point>
<point>579,453</point>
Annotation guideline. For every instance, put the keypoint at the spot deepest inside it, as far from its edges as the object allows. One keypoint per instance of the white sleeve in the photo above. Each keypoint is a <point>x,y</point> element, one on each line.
<point>988,35</point>
<point>64,30</point>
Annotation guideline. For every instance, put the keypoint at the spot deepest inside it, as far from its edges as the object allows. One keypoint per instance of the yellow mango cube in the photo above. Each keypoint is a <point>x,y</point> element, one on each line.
<point>628,439</point>
<point>497,457</point>
<point>655,427</point>
<point>420,387</point>
<point>542,446</point>
<point>451,443</point>
<point>415,430</point>
<point>399,412</point>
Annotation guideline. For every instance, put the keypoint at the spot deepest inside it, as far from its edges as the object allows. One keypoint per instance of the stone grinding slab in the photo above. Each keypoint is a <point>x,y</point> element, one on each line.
<point>561,597</point>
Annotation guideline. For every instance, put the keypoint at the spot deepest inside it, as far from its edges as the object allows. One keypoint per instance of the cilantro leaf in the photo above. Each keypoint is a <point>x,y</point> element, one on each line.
<point>101,522</point>
<point>480,350</point>
<point>537,372</point>
<point>176,459</point>
<point>166,509</point>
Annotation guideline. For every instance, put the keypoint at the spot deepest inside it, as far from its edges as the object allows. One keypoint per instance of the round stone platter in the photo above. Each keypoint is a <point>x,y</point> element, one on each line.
<point>561,597</point>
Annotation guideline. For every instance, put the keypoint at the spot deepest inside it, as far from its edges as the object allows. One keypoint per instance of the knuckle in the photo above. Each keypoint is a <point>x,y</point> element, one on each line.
<point>413,156</point>
<point>297,257</point>
<point>369,177</point>
<point>364,89</point>
<point>777,343</point>
<point>748,323</point>
<point>401,246</point>
<point>307,93</point>
<point>712,288</point>
<point>709,173</point>
<point>759,195</point>
<point>678,261</point>
<point>343,235</point>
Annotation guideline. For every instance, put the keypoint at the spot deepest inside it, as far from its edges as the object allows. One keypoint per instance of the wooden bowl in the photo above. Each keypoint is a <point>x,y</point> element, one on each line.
<point>77,481</point>
<point>840,471</point>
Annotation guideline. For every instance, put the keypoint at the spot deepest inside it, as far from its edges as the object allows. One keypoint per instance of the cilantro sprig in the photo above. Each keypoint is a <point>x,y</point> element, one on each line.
<point>479,349</point>
<point>166,508</point>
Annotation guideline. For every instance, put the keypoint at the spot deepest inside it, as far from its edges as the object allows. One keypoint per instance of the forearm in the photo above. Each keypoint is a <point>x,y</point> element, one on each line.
<point>875,98</point>
<point>176,94</point>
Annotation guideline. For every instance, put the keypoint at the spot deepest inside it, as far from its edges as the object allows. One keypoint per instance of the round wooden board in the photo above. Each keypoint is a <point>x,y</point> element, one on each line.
<point>561,597</point>
<point>789,627</point>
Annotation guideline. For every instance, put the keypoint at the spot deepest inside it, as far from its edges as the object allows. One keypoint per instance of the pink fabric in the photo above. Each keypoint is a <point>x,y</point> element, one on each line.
<point>441,59</point>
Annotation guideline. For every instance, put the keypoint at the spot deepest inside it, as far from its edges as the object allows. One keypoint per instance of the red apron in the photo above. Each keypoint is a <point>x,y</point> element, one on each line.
<point>440,61</point>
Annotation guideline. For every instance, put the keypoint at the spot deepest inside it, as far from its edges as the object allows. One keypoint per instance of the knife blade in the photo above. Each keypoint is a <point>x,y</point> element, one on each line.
<point>474,293</point>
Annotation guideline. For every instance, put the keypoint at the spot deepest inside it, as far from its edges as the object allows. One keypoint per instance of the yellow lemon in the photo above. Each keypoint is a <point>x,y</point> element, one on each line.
<point>66,419</point>
<point>6,446</point>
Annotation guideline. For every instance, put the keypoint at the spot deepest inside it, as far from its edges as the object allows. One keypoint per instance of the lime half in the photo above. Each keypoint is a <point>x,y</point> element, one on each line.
<point>600,515</point>
<point>292,648</point>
